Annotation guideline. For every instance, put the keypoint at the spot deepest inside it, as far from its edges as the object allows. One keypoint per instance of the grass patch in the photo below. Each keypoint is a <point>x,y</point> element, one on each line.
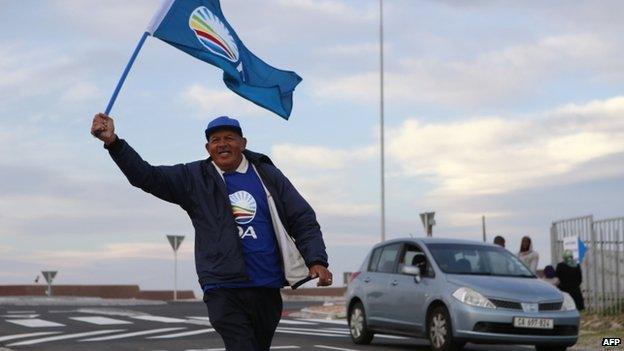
<point>595,327</point>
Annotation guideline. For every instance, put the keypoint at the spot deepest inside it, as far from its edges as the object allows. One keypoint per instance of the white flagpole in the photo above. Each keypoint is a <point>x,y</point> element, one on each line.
<point>381,123</point>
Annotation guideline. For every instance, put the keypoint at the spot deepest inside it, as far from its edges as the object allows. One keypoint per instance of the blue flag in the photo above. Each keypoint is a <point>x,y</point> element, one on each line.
<point>199,28</point>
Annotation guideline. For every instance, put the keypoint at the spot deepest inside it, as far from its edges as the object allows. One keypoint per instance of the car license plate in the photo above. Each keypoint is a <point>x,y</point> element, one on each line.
<point>533,323</point>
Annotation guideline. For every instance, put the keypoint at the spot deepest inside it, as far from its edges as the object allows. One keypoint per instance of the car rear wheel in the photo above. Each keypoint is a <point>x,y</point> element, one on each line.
<point>440,331</point>
<point>360,334</point>
<point>550,348</point>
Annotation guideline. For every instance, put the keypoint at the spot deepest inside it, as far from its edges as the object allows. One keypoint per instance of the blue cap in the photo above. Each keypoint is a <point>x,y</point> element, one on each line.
<point>223,122</point>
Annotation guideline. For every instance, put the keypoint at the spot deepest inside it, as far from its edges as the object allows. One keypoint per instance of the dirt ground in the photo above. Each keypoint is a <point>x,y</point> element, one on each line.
<point>596,327</point>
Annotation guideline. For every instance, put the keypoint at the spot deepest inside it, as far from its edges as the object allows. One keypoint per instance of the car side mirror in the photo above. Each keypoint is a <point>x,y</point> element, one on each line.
<point>413,271</point>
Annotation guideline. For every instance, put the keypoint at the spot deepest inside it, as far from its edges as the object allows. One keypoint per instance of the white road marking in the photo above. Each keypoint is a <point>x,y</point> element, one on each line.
<point>391,336</point>
<point>65,336</point>
<point>160,319</point>
<point>20,315</point>
<point>280,330</point>
<point>344,332</point>
<point>25,335</point>
<point>188,333</point>
<point>334,348</point>
<point>35,323</point>
<point>100,320</point>
<point>198,320</point>
<point>127,335</point>
<point>201,318</point>
<point>328,321</point>
<point>272,348</point>
<point>376,335</point>
<point>290,321</point>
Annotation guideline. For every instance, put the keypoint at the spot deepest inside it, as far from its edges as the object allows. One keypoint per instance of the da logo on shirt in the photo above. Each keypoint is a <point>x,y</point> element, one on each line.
<point>243,207</point>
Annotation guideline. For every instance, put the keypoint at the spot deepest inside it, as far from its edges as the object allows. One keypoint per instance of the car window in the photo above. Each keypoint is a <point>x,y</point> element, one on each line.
<point>388,258</point>
<point>477,259</point>
<point>414,256</point>
<point>372,266</point>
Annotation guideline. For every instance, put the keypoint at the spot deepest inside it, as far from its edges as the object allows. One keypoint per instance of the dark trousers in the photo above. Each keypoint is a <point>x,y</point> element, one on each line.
<point>245,318</point>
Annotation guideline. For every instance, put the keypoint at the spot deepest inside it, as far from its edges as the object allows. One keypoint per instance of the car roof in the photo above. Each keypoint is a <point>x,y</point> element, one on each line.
<point>430,240</point>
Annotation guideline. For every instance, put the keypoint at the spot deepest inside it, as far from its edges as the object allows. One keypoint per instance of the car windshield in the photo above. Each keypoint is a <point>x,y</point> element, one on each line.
<point>478,260</point>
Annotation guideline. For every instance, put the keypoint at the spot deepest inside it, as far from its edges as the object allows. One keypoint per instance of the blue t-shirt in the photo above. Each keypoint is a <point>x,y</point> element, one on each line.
<point>255,229</point>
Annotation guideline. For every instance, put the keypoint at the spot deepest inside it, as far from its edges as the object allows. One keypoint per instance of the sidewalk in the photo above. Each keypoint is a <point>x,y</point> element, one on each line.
<point>329,310</point>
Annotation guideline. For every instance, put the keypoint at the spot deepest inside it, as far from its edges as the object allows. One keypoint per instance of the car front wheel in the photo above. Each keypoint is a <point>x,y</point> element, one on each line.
<point>440,331</point>
<point>357,325</point>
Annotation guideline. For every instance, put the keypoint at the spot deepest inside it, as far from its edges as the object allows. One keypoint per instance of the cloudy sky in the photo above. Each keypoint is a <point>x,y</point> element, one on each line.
<point>512,110</point>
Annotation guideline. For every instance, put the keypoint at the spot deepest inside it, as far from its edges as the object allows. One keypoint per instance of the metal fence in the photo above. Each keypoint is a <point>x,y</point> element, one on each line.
<point>603,266</point>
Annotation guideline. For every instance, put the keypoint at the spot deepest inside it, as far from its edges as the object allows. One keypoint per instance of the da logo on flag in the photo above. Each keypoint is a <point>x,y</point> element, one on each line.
<point>213,34</point>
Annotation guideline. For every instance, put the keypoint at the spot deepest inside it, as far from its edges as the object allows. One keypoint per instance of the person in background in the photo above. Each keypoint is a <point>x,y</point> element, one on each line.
<point>550,275</point>
<point>527,255</point>
<point>570,278</point>
<point>499,240</point>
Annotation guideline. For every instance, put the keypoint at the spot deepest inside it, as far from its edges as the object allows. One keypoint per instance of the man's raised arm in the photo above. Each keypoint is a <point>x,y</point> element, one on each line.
<point>165,182</point>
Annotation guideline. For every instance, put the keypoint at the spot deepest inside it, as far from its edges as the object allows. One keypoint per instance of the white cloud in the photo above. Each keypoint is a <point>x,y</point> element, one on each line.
<point>319,157</point>
<point>156,250</point>
<point>116,17</point>
<point>496,155</point>
<point>458,217</point>
<point>323,176</point>
<point>81,92</point>
<point>26,76</point>
<point>480,155</point>
<point>352,50</point>
<point>492,77</point>
<point>209,103</point>
<point>330,8</point>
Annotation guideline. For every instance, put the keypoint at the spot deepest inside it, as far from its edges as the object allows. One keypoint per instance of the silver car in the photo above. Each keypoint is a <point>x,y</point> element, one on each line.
<point>457,291</point>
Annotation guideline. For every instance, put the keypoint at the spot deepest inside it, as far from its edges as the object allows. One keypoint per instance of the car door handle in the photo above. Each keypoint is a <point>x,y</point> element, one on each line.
<point>394,283</point>
<point>367,280</point>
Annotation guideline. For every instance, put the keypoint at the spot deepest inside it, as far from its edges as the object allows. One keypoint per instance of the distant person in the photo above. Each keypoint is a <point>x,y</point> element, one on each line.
<point>570,278</point>
<point>527,255</point>
<point>254,233</point>
<point>499,240</point>
<point>550,276</point>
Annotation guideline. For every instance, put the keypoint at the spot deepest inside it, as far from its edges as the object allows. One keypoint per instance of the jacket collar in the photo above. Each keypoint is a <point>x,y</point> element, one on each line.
<point>242,167</point>
<point>257,158</point>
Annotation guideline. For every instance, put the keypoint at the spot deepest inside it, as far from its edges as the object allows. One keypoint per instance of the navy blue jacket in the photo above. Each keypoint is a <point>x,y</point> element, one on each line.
<point>199,189</point>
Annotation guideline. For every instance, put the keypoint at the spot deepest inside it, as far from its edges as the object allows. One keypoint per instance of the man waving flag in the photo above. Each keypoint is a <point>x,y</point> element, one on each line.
<point>199,28</point>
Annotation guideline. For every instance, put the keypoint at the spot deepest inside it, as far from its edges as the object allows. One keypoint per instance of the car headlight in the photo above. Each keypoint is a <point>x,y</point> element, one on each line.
<point>472,298</point>
<point>568,302</point>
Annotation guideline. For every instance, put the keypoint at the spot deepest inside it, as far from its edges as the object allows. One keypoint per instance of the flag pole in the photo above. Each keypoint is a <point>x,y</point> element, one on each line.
<point>111,102</point>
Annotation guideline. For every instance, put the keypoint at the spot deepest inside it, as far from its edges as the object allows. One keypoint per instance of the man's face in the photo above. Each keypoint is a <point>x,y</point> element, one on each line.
<point>226,147</point>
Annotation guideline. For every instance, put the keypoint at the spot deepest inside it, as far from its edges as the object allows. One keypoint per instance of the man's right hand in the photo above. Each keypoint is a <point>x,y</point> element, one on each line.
<point>103,128</point>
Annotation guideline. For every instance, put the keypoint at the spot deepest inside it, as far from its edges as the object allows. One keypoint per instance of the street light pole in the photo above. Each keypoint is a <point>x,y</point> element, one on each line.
<point>483,227</point>
<point>381,123</point>
<point>175,241</point>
